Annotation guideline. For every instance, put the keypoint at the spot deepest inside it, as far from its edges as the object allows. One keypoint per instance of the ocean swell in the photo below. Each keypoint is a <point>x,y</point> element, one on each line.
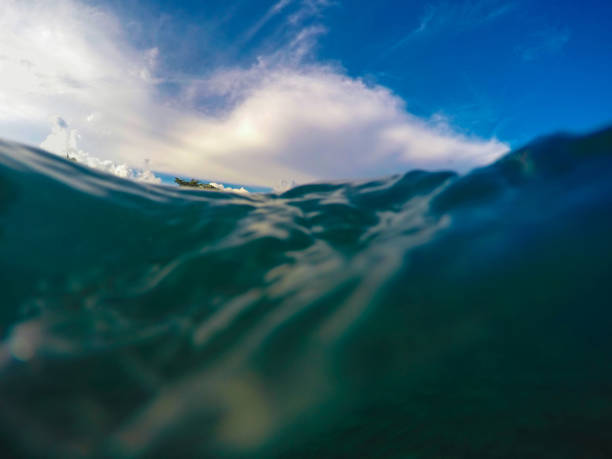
<point>422,315</point>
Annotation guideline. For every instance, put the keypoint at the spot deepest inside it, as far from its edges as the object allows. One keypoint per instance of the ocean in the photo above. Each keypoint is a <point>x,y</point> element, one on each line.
<point>423,315</point>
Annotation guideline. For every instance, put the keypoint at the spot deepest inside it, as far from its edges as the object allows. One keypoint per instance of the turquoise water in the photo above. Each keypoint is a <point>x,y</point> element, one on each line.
<point>427,315</point>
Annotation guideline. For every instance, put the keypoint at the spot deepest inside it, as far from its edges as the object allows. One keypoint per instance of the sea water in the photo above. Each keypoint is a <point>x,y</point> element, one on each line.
<point>424,315</point>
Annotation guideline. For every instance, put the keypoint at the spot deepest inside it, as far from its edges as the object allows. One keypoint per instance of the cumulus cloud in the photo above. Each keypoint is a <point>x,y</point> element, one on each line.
<point>64,141</point>
<point>314,123</point>
<point>282,120</point>
<point>222,187</point>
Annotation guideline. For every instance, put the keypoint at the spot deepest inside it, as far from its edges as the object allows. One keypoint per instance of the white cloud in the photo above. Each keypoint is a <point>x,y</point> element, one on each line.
<point>315,123</point>
<point>64,141</point>
<point>282,120</point>
<point>544,42</point>
<point>229,188</point>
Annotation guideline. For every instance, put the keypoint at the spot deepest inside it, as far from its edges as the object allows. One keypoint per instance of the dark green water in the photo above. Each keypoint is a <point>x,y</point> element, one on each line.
<point>428,315</point>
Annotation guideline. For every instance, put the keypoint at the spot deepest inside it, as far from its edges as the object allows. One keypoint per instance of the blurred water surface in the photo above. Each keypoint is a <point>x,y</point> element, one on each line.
<point>425,315</point>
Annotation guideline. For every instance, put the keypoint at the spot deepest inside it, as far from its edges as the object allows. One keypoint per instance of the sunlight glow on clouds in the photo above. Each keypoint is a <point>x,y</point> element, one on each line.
<point>283,120</point>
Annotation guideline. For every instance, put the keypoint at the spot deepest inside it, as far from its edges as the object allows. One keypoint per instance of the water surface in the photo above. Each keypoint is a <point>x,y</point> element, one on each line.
<point>424,315</point>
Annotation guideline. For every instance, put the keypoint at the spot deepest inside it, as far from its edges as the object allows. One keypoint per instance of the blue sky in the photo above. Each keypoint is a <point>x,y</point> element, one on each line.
<point>278,92</point>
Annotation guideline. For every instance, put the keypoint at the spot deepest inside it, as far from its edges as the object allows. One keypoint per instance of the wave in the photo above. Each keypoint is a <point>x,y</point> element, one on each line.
<point>428,314</point>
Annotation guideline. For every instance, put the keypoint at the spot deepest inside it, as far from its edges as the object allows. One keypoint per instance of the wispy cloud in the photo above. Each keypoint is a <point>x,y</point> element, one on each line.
<point>297,14</point>
<point>454,16</point>
<point>285,118</point>
<point>274,11</point>
<point>309,9</point>
<point>544,42</point>
<point>424,22</point>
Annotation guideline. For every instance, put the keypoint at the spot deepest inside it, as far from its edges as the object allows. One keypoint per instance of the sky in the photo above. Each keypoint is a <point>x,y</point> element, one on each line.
<point>281,92</point>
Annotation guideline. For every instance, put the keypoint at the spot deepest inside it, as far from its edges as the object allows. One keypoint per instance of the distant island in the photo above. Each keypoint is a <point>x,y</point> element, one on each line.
<point>193,183</point>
